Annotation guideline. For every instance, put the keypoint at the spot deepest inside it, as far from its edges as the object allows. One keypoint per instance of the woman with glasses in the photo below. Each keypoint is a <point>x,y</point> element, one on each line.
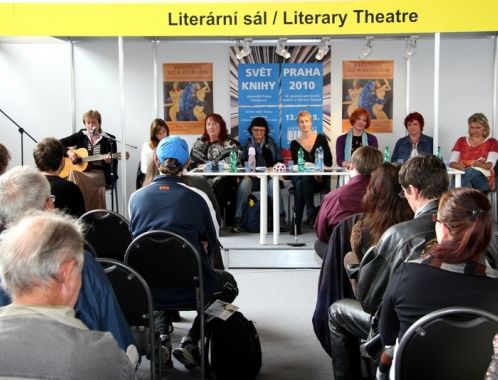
<point>452,271</point>
<point>267,155</point>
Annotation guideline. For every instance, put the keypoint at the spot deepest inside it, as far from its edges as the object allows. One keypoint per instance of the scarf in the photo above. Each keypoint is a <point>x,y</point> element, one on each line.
<point>265,143</point>
<point>349,143</point>
<point>477,267</point>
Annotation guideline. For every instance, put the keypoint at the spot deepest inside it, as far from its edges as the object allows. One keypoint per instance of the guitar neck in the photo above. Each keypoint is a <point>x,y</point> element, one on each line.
<point>98,157</point>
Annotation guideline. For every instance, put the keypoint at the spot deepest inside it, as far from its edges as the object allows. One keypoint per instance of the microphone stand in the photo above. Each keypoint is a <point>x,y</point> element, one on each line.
<point>113,173</point>
<point>22,131</point>
<point>296,243</point>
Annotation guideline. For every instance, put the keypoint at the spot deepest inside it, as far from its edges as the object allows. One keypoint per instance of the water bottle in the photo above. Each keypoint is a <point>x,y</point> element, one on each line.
<point>252,158</point>
<point>300,160</point>
<point>440,153</point>
<point>233,161</point>
<point>387,154</point>
<point>319,159</point>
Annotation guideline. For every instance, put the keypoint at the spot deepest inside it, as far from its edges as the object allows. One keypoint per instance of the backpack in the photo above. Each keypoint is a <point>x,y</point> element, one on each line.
<point>251,214</point>
<point>235,348</point>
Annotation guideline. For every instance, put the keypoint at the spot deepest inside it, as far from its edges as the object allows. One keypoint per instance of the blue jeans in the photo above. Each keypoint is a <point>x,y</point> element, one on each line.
<point>246,187</point>
<point>475,179</point>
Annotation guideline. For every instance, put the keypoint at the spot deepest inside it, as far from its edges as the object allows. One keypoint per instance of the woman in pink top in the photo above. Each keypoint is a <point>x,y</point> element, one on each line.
<point>476,154</point>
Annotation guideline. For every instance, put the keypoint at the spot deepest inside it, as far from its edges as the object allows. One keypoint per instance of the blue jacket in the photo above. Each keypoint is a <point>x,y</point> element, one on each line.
<point>167,203</point>
<point>97,306</point>
<point>403,147</point>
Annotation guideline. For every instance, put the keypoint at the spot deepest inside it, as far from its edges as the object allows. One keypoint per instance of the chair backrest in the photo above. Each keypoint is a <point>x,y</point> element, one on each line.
<point>165,259</point>
<point>134,298</point>
<point>107,232</point>
<point>452,343</point>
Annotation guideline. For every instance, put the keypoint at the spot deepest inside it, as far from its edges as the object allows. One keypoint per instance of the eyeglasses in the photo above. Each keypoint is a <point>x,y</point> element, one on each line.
<point>401,194</point>
<point>436,220</point>
<point>258,130</point>
<point>52,198</point>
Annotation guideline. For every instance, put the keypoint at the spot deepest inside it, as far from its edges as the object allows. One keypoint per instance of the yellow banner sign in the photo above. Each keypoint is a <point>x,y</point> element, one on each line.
<point>248,19</point>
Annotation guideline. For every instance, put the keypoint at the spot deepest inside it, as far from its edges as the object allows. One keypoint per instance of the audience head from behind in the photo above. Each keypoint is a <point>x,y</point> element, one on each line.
<point>45,263</point>
<point>172,155</point>
<point>49,155</point>
<point>43,272</point>
<point>382,204</point>
<point>423,178</point>
<point>215,129</point>
<point>366,159</point>
<point>463,226</point>
<point>158,130</point>
<point>4,158</point>
<point>22,189</point>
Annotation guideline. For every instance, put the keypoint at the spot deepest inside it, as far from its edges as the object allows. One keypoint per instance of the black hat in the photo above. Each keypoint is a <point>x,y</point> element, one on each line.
<point>258,122</point>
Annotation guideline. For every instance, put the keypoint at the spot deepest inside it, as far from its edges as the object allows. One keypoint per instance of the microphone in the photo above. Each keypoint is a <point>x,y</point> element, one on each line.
<point>94,130</point>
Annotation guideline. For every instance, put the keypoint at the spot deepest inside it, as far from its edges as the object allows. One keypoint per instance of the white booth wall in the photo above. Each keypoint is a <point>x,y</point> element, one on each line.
<point>36,87</point>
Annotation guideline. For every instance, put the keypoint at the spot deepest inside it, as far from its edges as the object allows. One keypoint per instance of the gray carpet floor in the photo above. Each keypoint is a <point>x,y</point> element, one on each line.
<point>281,303</point>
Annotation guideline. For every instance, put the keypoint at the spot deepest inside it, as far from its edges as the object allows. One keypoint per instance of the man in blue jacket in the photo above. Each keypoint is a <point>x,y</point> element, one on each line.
<point>23,189</point>
<point>168,203</point>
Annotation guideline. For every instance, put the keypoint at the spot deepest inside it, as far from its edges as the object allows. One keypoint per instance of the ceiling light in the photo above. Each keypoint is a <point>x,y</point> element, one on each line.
<point>411,47</point>
<point>323,48</point>
<point>367,49</point>
<point>245,48</point>
<point>281,50</point>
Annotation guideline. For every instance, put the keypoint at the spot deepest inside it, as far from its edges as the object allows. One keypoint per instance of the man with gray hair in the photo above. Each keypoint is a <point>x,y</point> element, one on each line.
<point>23,189</point>
<point>41,271</point>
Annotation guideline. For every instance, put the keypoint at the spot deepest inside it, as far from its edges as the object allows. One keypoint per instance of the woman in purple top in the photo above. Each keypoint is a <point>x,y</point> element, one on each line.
<point>347,143</point>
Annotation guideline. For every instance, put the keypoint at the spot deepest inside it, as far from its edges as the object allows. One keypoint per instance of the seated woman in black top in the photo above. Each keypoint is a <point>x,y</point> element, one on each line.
<point>452,272</point>
<point>306,186</point>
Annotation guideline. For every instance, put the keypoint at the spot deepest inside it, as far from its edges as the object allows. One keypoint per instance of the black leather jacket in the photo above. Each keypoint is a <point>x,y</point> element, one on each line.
<point>400,242</point>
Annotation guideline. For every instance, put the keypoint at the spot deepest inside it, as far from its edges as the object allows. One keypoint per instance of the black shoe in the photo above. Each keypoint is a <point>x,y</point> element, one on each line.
<point>188,354</point>
<point>166,352</point>
<point>174,316</point>
<point>238,226</point>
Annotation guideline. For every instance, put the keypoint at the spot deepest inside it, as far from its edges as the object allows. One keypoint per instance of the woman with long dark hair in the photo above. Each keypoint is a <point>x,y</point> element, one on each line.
<point>215,145</point>
<point>158,130</point>
<point>382,208</point>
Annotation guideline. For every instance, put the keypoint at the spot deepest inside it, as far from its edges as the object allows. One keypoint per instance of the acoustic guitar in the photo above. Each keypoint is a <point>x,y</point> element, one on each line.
<point>82,165</point>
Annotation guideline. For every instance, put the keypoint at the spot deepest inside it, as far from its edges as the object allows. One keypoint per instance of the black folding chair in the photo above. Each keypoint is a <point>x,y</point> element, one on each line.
<point>452,343</point>
<point>107,232</point>
<point>135,300</point>
<point>167,260</point>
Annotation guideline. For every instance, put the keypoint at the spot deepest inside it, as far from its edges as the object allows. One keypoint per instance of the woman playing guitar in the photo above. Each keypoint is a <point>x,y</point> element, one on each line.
<point>98,176</point>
